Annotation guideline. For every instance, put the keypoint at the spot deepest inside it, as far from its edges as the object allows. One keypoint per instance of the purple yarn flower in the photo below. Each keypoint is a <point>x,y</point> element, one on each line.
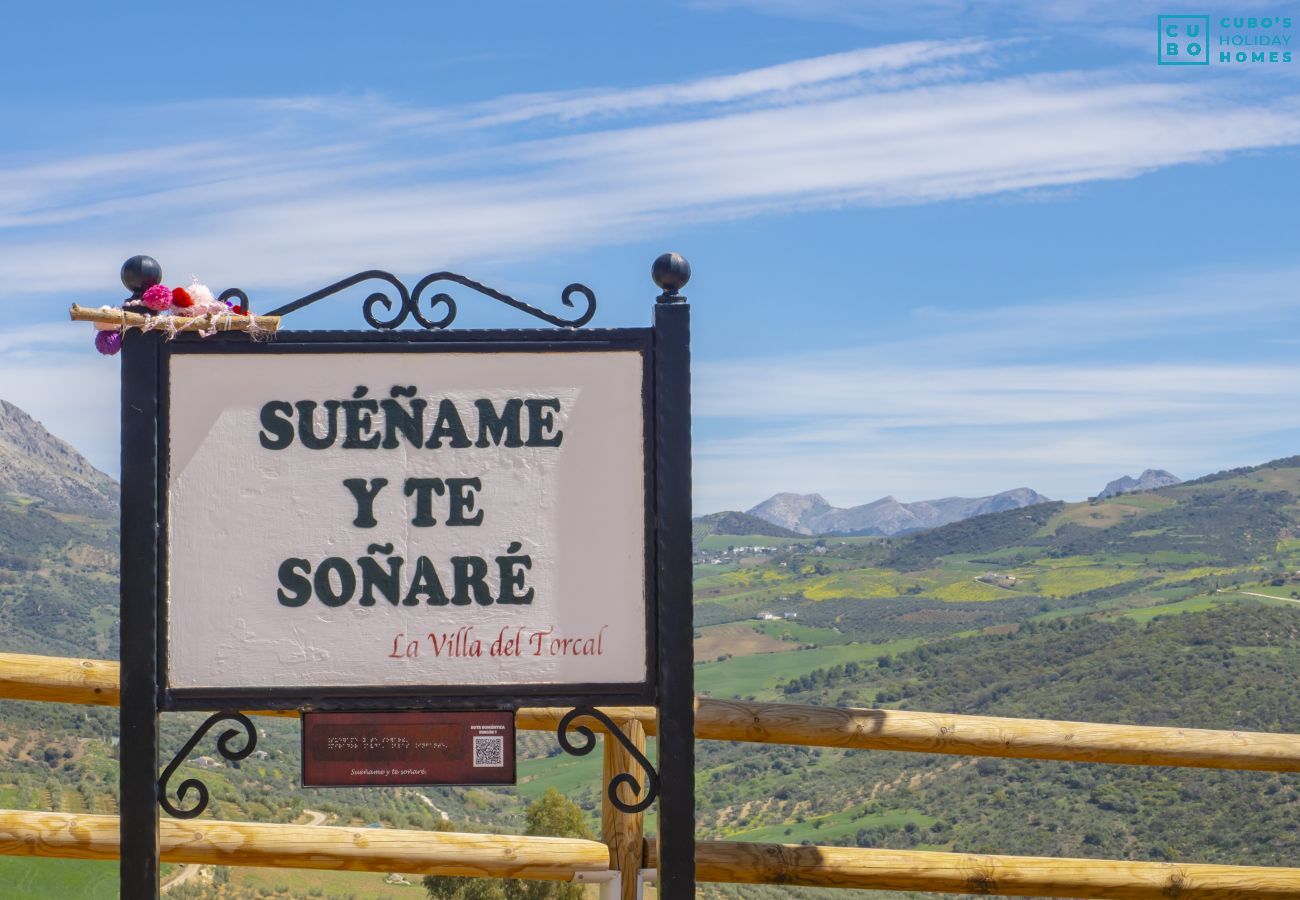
<point>108,342</point>
<point>157,298</point>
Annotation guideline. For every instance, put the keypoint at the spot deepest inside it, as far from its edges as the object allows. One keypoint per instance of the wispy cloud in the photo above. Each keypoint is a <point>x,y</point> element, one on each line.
<point>894,65</point>
<point>280,192</point>
<point>969,408</point>
<point>885,67</point>
<point>923,396</point>
<point>380,186</point>
<point>925,432</point>
<point>947,16</point>
<point>1223,303</point>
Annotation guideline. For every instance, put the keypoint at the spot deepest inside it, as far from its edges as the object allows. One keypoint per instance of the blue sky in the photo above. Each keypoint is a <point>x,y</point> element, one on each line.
<point>940,248</point>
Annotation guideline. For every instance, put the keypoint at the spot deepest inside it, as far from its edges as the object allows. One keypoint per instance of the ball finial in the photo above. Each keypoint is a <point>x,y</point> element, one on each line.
<point>139,273</point>
<point>671,271</point>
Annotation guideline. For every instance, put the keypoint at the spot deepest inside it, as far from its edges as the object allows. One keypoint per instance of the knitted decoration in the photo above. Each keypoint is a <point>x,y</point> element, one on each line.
<point>157,298</point>
<point>108,342</point>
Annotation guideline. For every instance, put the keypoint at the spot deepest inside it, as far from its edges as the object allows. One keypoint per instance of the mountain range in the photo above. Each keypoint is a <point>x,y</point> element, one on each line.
<point>38,465</point>
<point>1147,481</point>
<point>811,514</point>
<point>1171,608</point>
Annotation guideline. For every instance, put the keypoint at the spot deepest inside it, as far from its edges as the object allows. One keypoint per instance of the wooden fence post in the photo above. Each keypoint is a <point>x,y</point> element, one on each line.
<point>624,833</point>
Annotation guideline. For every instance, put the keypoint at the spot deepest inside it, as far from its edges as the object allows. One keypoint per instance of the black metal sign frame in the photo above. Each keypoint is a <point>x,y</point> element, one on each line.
<point>302,343</point>
<point>669,683</point>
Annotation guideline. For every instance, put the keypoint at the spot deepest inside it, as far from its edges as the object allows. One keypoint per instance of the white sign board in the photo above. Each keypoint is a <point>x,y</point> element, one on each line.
<point>401,520</point>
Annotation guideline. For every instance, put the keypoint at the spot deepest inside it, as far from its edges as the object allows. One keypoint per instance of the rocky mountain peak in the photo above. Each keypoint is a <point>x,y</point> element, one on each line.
<point>35,463</point>
<point>811,514</point>
<point>1149,480</point>
<point>790,510</point>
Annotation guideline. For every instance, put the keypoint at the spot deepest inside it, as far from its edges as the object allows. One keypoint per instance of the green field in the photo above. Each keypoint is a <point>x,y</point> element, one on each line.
<point>804,634</point>
<point>1281,593</point>
<point>721,542</point>
<point>1191,604</point>
<point>1066,581</point>
<point>758,675</point>
<point>1141,501</point>
<point>567,774</point>
<point>301,883</point>
<point>970,590</point>
<point>34,878</point>
<point>570,775</point>
<point>704,570</point>
<point>832,827</point>
<point>1133,610</point>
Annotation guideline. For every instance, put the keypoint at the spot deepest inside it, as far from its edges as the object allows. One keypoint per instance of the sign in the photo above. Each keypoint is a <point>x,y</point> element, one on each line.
<point>417,520</point>
<point>407,748</point>
<point>434,520</point>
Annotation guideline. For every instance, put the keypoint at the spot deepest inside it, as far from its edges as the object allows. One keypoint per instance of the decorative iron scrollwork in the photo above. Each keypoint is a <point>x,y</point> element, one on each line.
<point>622,778</point>
<point>407,303</point>
<point>223,747</point>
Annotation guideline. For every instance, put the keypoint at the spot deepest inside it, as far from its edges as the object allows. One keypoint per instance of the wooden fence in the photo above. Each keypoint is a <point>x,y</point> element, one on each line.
<point>212,842</point>
<point>624,849</point>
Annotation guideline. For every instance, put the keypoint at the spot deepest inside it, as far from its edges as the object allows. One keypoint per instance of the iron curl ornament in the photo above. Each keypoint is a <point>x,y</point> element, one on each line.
<point>223,747</point>
<point>408,303</point>
<point>623,778</point>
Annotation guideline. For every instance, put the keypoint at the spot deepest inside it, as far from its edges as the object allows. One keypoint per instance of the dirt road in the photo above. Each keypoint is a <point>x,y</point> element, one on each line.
<point>190,872</point>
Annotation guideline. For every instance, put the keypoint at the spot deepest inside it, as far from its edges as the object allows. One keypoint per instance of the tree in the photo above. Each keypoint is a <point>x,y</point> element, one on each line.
<point>459,887</point>
<point>554,815</point>
<point>551,815</point>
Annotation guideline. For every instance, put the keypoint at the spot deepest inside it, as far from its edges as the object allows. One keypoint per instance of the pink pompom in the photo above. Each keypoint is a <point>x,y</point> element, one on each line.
<point>201,294</point>
<point>108,342</point>
<point>204,302</point>
<point>157,298</point>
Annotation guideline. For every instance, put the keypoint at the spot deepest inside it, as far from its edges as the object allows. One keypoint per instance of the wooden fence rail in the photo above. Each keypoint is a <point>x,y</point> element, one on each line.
<point>965,873</point>
<point>56,679</point>
<point>211,842</point>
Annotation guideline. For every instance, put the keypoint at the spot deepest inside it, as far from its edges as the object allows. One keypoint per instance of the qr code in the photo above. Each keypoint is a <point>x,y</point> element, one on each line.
<point>489,752</point>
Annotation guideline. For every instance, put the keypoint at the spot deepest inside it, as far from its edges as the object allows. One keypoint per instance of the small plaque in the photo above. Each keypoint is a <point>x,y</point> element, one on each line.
<point>382,749</point>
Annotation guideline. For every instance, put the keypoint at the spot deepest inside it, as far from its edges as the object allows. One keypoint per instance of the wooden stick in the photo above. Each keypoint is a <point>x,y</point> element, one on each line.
<point>547,718</point>
<point>212,842</point>
<point>61,680</point>
<point>966,873</point>
<point>219,321</point>
<point>623,832</point>
<point>923,732</point>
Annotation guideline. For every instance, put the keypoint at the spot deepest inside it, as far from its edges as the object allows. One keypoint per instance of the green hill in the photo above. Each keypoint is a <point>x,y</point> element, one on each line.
<point>737,523</point>
<point>58,581</point>
<point>1232,668</point>
<point>1176,606</point>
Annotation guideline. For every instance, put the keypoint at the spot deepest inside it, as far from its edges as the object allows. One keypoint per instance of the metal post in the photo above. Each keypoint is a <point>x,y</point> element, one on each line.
<point>612,889</point>
<point>138,750</point>
<point>676,757</point>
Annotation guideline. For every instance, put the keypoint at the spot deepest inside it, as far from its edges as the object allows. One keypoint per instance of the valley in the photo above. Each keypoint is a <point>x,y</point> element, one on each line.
<point>1171,606</point>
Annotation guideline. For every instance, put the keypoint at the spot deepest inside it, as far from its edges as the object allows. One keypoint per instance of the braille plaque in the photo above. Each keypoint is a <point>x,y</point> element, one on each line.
<point>382,749</point>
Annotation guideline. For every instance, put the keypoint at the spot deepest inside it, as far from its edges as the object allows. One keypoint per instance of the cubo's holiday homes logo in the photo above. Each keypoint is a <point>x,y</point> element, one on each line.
<point>1183,40</point>
<point>1186,40</point>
